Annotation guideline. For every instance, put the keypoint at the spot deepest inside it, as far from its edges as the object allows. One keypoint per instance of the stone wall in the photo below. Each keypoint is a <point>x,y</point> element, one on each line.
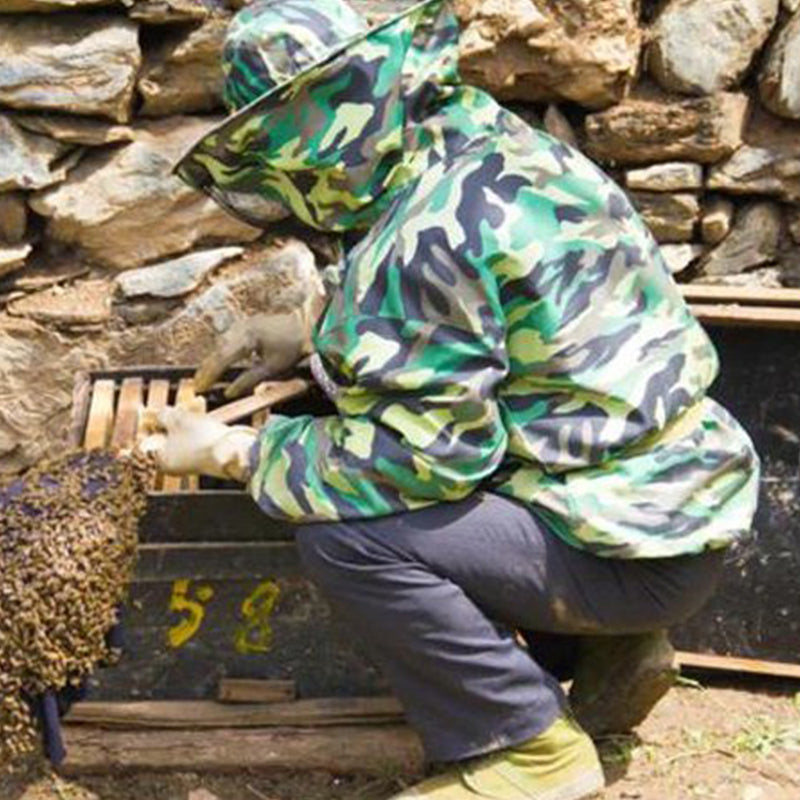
<point>106,259</point>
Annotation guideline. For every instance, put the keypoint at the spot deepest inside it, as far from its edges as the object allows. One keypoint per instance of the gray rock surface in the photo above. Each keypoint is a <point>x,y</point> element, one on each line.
<point>74,130</point>
<point>779,84</point>
<point>717,219</point>
<point>37,375</point>
<point>28,161</point>
<point>176,277</point>
<point>752,242</point>
<point>674,176</point>
<point>680,257</point>
<point>124,208</point>
<point>585,51</point>
<point>768,163</point>
<point>644,129</point>
<point>13,217</point>
<point>185,74</point>
<point>705,46</point>
<point>670,217</point>
<point>74,63</point>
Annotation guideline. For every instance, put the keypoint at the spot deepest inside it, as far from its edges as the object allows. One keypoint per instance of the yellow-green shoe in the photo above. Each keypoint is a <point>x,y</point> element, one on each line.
<point>559,764</point>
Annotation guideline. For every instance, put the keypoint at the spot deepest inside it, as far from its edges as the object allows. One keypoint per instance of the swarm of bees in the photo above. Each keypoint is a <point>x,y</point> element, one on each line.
<point>68,536</point>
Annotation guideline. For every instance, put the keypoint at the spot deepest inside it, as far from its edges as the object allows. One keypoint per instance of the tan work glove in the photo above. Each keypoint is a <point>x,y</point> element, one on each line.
<point>279,341</point>
<point>189,443</point>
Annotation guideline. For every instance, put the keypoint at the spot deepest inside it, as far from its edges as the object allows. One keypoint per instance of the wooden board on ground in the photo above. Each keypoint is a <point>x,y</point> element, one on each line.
<point>377,750</point>
<point>749,666</point>
<point>242,690</point>
<point>210,714</point>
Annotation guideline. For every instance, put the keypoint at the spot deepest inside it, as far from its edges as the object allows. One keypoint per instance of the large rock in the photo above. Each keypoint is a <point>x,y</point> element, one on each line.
<point>173,278</point>
<point>13,217</point>
<point>646,129</point>
<point>717,219</point>
<point>125,208</point>
<point>12,258</point>
<point>779,84</point>
<point>79,64</point>
<point>705,46</point>
<point>752,242</point>
<point>83,303</point>
<point>679,257</point>
<point>674,176</point>
<point>74,130</point>
<point>15,6</point>
<point>185,75</point>
<point>585,51</point>
<point>767,163</point>
<point>670,217</point>
<point>28,161</point>
<point>156,12</point>
<point>37,375</point>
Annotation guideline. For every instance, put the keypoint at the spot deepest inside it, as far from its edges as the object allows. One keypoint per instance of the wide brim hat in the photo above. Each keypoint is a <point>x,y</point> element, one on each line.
<point>205,165</point>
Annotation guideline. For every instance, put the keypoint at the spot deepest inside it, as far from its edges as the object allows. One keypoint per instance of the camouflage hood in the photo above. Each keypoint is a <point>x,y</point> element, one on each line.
<point>337,141</point>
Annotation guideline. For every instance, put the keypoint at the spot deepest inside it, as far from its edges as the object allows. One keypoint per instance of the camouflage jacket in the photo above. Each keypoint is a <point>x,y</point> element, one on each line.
<point>506,321</point>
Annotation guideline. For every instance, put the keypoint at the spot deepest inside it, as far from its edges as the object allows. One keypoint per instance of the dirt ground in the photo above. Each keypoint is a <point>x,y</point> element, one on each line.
<point>731,743</point>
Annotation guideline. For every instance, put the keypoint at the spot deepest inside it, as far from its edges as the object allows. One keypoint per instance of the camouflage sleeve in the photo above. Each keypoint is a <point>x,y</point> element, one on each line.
<point>418,419</point>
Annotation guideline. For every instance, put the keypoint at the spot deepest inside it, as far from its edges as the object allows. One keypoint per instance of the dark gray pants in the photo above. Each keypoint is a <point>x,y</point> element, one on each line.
<point>438,594</point>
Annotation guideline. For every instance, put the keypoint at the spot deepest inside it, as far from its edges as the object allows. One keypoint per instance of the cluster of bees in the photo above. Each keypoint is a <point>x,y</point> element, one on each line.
<point>68,536</point>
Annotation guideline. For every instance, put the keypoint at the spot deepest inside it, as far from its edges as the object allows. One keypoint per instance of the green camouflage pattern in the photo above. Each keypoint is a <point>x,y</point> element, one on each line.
<point>506,321</point>
<point>270,42</point>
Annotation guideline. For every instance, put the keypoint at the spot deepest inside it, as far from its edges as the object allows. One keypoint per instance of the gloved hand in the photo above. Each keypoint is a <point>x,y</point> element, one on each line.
<point>189,443</point>
<point>278,340</point>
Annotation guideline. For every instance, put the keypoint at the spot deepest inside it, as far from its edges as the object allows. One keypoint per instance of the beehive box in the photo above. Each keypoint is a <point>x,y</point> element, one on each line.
<point>220,592</point>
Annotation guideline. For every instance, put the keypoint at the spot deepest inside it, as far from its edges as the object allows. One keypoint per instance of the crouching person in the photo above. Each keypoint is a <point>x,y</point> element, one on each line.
<point>524,479</point>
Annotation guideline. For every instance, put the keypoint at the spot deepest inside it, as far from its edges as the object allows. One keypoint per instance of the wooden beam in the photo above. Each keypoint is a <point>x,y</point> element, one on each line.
<point>374,750</point>
<point>267,395</point>
<point>752,666</point>
<point>741,296</point>
<point>747,316</point>
<point>246,690</point>
<point>210,714</point>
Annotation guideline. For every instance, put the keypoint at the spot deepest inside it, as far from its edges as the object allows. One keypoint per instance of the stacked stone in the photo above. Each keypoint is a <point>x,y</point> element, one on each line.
<point>691,104</point>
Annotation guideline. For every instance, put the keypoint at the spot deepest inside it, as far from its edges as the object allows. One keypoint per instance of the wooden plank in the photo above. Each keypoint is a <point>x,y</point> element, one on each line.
<point>126,418</point>
<point>738,295</point>
<point>750,666</point>
<point>101,415</point>
<point>185,397</point>
<point>269,394</point>
<point>249,690</point>
<point>375,750</point>
<point>747,316</point>
<point>157,398</point>
<point>210,714</point>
